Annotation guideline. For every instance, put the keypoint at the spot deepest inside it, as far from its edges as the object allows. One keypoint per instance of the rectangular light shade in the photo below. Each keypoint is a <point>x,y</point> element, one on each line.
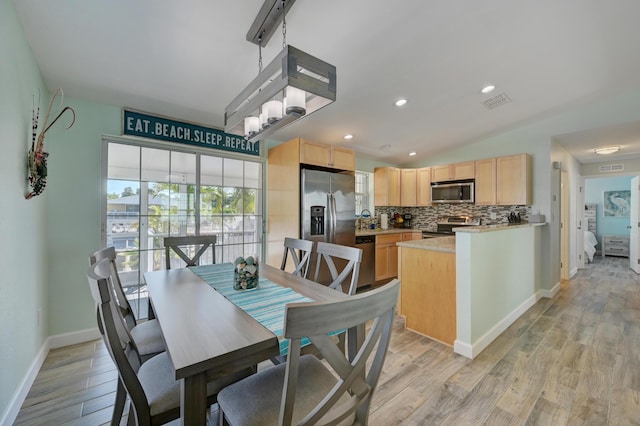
<point>294,81</point>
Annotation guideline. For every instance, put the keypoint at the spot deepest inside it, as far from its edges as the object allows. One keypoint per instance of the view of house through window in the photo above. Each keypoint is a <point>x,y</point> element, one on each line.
<point>153,193</point>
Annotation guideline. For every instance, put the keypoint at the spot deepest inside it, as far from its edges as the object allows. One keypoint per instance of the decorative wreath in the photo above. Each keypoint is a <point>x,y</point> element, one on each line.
<point>37,157</point>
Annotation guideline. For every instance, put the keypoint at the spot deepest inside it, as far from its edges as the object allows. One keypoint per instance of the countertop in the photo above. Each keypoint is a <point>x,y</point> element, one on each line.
<point>497,227</point>
<point>445,244</point>
<point>379,231</point>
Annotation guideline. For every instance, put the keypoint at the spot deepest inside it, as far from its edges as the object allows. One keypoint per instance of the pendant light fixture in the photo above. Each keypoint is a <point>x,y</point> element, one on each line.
<point>293,85</point>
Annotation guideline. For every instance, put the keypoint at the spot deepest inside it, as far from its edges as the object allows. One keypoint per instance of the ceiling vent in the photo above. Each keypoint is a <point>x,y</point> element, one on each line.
<point>496,101</point>
<point>611,168</point>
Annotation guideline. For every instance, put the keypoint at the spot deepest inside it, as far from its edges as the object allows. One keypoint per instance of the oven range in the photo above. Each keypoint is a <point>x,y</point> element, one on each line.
<point>445,225</point>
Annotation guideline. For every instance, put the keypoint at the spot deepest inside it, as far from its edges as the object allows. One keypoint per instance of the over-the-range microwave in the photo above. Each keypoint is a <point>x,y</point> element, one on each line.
<point>453,192</point>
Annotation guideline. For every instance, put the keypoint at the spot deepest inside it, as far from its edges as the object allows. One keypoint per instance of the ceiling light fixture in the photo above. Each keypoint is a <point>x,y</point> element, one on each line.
<point>293,85</point>
<point>411,154</point>
<point>488,88</point>
<point>605,150</point>
<point>401,102</point>
<point>347,137</point>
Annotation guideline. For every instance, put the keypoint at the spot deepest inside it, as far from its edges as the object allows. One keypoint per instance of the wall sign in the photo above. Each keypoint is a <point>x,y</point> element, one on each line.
<point>153,127</point>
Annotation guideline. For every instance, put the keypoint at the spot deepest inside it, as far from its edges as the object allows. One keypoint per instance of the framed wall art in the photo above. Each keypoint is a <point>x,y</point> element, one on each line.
<point>616,203</point>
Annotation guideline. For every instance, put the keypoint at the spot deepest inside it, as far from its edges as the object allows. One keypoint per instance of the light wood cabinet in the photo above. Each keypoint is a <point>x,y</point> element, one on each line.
<point>408,192</point>
<point>387,256</point>
<point>408,236</point>
<point>423,186</point>
<point>485,185</point>
<point>455,171</point>
<point>386,186</point>
<point>319,154</point>
<point>513,174</point>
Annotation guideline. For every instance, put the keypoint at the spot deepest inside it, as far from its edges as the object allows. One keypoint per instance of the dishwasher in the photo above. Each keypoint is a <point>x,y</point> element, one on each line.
<point>368,264</point>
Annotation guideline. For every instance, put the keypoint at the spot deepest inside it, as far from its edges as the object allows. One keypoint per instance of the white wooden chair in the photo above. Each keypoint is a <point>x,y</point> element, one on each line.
<point>353,256</point>
<point>179,244</point>
<point>301,262</point>
<point>152,387</point>
<point>307,391</point>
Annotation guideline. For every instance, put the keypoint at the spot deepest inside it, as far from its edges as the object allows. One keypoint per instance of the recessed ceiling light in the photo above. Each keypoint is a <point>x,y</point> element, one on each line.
<point>349,136</point>
<point>411,154</point>
<point>401,102</point>
<point>604,150</point>
<point>488,88</point>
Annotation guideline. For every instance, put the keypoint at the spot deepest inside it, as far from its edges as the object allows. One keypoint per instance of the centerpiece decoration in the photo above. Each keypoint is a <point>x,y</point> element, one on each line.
<point>245,273</point>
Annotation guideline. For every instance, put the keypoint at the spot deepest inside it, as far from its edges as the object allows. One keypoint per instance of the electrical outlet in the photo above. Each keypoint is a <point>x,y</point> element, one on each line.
<point>494,216</point>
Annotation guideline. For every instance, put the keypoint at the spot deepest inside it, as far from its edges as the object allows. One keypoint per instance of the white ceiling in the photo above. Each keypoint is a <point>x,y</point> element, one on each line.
<point>189,59</point>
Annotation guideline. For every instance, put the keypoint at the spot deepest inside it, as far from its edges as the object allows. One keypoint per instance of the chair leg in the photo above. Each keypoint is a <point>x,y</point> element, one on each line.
<point>118,406</point>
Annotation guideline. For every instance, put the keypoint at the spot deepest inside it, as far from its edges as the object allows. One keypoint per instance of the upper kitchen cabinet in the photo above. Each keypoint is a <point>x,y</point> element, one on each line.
<point>423,190</point>
<point>456,171</point>
<point>323,155</point>
<point>486,182</point>
<point>408,192</point>
<point>513,180</point>
<point>386,182</point>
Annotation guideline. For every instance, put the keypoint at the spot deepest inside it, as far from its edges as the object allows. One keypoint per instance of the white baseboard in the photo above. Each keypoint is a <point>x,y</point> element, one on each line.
<point>73,338</point>
<point>472,350</point>
<point>51,342</point>
<point>549,294</point>
<point>573,272</point>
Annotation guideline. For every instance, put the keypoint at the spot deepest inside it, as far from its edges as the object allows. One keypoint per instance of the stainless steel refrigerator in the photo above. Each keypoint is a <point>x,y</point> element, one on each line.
<point>327,211</point>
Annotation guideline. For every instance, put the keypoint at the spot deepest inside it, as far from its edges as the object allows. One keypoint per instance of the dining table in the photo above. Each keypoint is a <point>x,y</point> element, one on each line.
<point>212,330</point>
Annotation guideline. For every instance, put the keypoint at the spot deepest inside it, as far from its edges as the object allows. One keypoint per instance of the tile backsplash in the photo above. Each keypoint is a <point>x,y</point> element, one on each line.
<point>427,217</point>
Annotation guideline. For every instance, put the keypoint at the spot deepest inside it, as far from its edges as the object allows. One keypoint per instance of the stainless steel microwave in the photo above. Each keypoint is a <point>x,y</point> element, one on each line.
<point>453,192</point>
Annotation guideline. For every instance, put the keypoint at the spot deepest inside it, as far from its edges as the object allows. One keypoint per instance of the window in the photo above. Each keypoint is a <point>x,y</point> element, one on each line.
<point>364,188</point>
<point>155,192</point>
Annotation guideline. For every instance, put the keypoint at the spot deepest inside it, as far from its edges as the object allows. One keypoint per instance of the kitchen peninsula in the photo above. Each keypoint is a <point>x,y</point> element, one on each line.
<point>466,290</point>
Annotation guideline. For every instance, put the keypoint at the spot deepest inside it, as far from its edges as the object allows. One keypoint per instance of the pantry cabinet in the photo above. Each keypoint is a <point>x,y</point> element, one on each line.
<point>513,174</point>
<point>386,186</point>
<point>323,155</point>
<point>456,171</point>
<point>485,184</point>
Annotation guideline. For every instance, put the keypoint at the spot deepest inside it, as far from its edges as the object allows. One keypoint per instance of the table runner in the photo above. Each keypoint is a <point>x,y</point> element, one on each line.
<point>264,303</point>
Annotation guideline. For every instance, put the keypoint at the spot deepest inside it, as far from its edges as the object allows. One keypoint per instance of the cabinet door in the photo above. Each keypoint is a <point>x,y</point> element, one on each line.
<point>315,153</point>
<point>392,255</point>
<point>382,261</point>
<point>441,173</point>
<point>423,186</point>
<point>343,158</point>
<point>386,186</point>
<point>408,187</point>
<point>486,182</point>
<point>513,180</point>
<point>464,170</point>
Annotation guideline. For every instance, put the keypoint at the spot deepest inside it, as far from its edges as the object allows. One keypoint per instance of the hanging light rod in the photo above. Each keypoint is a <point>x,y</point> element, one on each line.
<point>267,21</point>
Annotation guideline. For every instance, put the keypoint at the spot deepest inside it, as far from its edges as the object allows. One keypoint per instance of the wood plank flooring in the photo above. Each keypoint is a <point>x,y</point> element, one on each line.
<point>568,361</point>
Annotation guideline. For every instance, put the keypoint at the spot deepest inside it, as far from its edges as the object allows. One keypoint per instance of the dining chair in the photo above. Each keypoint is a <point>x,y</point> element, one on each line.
<point>147,335</point>
<point>152,388</point>
<point>179,244</point>
<point>328,252</point>
<point>301,262</point>
<point>307,391</point>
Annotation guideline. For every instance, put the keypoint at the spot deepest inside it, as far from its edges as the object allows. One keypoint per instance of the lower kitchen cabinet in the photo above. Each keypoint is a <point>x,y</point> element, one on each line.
<point>387,256</point>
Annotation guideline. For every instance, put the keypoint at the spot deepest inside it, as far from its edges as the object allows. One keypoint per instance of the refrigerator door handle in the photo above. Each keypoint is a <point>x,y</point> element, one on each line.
<point>329,219</point>
<point>334,219</point>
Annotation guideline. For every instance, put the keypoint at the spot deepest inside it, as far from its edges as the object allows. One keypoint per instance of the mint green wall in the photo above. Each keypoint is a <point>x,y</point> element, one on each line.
<point>73,226</point>
<point>23,260</point>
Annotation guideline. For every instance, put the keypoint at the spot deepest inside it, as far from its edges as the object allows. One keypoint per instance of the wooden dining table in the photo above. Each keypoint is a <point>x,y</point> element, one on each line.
<point>207,336</point>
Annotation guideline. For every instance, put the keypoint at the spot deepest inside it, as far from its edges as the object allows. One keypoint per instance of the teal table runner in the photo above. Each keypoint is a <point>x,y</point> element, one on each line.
<point>264,303</point>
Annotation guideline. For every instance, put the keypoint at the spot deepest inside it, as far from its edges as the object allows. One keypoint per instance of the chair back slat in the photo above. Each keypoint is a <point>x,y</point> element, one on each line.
<point>353,256</point>
<point>357,374</point>
<point>293,246</point>
<point>178,244</point>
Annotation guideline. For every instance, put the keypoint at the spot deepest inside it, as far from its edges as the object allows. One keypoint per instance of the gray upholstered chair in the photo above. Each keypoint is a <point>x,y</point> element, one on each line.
<point>147,335</point>
<point>178,245</point>
<point>152,387</point>
<point>293,246</point>
<point>353,256</point>
<point>307,391</point>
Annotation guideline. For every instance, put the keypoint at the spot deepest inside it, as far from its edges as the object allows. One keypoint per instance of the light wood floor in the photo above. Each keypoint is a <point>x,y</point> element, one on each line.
<point>567,361</point>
